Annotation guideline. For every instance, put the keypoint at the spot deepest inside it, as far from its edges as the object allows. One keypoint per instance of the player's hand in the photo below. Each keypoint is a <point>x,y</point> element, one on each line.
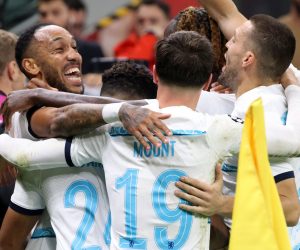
<point>38,83</point>
<point>289,78</point>
<point>8,173</point>
<point>19,100</point>
<point>216,87</point>
<point>205,199</point>
<point>142,122</point>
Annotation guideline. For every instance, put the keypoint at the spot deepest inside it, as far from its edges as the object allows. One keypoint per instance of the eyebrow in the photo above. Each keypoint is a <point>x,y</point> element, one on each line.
<point>56,39</point>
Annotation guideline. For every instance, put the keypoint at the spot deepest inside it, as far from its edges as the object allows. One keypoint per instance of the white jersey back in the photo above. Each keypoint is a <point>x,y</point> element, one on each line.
<point>140,183</point>
<point>215,103</point>
<point>76,200</point>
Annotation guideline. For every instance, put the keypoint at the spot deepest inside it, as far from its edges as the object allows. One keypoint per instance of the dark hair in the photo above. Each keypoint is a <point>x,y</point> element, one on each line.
<point>7,47</point>
<point>75,5</point>
<point>160,4</point>
<point>24,43</point>
<point>197,19</point>
<point>274,45</point>
<point>129,79</point>
<point>48,1</point>
<point>185,58</point>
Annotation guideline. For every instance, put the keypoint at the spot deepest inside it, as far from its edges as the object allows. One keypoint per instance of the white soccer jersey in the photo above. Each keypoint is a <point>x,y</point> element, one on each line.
<point>275,108</point>
<point>76,199</point>
<point>140,183</point>
<point>215,104</point>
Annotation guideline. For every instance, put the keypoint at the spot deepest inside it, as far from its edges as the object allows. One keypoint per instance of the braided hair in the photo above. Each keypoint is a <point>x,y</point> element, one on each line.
<point>197,19</point>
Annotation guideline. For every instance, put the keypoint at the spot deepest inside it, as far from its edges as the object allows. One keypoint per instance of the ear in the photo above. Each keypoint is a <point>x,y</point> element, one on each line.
<point>155,76</point>
<point>31,67</point>
<point>248,59</point>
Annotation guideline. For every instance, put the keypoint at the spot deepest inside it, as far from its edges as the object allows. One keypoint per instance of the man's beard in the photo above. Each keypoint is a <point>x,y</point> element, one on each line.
<point>228,78</point>
<point>53,79</point>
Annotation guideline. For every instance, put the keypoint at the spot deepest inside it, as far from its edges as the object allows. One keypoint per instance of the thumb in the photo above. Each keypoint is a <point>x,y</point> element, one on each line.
<point>163,116</point>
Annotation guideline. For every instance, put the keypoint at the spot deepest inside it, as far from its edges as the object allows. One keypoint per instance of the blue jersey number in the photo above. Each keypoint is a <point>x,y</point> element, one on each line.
<point>129,181</point>
<point>89,216</point>
<point>170,216</point>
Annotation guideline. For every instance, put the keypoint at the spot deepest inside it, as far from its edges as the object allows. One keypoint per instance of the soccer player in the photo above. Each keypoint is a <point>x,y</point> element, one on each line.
<point>58,63</point>
<point>253,63</point>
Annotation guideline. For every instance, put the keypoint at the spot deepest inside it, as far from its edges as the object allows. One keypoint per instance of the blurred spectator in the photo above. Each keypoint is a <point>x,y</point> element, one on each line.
<point>77,17</point>
<point>292,20</point>
<point>13,13</point>
<point>11,78</point>
<point>57,12</point>
<point>152,18</point>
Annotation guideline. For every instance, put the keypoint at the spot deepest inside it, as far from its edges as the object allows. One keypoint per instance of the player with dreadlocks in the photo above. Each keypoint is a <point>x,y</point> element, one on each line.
<point>197,19</point>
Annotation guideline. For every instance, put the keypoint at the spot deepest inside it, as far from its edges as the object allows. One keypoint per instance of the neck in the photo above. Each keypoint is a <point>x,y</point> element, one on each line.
<point>177,96</point>
<point>249,83</point>
<point>5,85</point>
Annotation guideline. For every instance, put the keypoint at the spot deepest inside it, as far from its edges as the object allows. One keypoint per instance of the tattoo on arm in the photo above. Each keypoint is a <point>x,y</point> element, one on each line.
<point>77,119</point>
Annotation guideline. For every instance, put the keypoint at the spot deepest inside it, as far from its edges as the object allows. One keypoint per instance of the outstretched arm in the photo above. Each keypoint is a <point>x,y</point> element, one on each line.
<point>224,135</point>
<point>82,118</point>
<point>24,99</point>
<point>226,15</point>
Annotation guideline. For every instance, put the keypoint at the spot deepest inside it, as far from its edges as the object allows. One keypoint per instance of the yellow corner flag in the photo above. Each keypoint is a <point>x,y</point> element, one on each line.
<point>258,219</point>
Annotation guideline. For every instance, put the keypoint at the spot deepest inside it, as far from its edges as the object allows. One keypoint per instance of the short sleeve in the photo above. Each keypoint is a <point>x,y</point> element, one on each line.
<point>26,199</point>
<point>85,149</point>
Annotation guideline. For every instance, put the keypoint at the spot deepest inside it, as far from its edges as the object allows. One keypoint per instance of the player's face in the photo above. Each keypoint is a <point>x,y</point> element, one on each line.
<point>149,17</point>
<point>58,59</point>
<point>55,12</point>
<point>231,72</point>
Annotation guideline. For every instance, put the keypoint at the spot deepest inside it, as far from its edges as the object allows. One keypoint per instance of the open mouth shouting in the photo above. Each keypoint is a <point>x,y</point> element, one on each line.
<point>73,75</point>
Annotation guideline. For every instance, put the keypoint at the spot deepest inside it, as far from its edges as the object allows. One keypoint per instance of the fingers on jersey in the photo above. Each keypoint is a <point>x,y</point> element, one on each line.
<point>204,198</point>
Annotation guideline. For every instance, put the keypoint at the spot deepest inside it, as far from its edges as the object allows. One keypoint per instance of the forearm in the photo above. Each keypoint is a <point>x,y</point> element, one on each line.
<point>15,230</point>
<point>77,119</point>
<point>289,199</point>
<point>29,155</point>
<point>291,210</point>
<point>50,98</point>
<point>226,14</point>
<point>289,134</point>
<point>83,118</point>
